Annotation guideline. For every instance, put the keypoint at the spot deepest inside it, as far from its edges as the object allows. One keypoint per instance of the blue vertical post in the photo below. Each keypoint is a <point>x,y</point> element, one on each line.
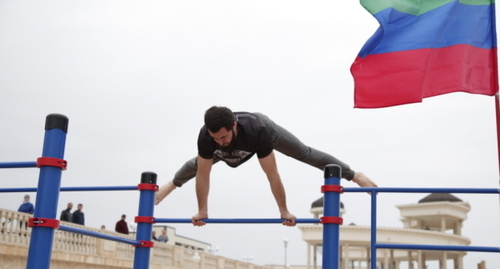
<point>49,182</point>
<point>373,235</point>
<point>145,220</point>
<point>331,217</point>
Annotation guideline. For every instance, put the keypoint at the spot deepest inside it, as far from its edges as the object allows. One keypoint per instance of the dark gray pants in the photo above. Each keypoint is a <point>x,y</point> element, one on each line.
<point>284,142</point>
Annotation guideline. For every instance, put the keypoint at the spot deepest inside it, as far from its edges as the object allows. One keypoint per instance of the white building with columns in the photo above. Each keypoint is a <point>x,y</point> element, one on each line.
<point>435,220</point>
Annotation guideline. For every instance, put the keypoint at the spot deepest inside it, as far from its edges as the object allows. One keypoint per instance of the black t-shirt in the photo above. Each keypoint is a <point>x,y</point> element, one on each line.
<point>251,138</point>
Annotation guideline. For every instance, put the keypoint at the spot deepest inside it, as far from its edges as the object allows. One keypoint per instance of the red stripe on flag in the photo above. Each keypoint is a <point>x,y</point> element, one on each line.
<point>404,77</point>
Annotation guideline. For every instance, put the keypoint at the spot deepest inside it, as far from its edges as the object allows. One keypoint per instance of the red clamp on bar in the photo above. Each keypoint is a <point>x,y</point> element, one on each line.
<point>43,222</point>
<point>335,220</point>
<point>145,244</point>
<point>49,161</point>
<point>147,186</point>
<point>145,219</point>
<point>334,188</point>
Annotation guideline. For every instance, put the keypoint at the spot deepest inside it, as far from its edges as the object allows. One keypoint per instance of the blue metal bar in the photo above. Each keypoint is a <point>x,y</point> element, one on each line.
<point>110,188</point>
<point>99,235</point>
<point>387,190</point>
<point>18,190</point>
<point>49,182</point>
<point>17,164</point>
<point>425,190</point>
<point>439,247</point>
<point>373,231</point>
<point>247,221</point>
<point>144,229</point>
<point>331,208</point>
<point>105,188</point>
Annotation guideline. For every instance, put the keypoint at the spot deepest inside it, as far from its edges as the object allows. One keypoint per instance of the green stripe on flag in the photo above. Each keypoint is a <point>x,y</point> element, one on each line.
<point>414,7</point>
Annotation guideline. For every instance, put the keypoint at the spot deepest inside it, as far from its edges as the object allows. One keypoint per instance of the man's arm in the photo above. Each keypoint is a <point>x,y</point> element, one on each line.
<point>269,166</point>
<point>202,188</point>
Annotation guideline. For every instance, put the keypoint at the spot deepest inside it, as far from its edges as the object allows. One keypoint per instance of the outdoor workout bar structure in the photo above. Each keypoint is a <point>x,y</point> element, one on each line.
<point>247,221</point>
<point>44,221</point>
<point>373,234</point>
<point>52,164</point>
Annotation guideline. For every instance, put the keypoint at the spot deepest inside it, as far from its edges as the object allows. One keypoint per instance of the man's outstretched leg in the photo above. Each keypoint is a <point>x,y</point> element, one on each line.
<point>164,191</point>
<point>362,180</point>
<point>288,144</point>
<point>187,172</point>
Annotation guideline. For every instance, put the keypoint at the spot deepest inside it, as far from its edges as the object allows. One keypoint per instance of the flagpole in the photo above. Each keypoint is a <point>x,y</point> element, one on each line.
<point>495,77</point>
<point>497,111</point>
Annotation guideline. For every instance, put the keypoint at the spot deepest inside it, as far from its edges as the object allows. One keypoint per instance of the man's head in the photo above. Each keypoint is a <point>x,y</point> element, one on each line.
<point>70,205</point>
<point>221,125</point>
<point>80,206</point>
<point>124,217</point>
<point>26,198</point>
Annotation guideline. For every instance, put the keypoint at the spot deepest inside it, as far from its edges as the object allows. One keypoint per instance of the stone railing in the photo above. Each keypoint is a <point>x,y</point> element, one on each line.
<point>12,225</point>
<point>75,250</point>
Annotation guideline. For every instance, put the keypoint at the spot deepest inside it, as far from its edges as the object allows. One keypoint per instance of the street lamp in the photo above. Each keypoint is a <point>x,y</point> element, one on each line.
<point>196,257</point>
<point>285,241</point>
<point>247,259</point>
<point>212,250</point>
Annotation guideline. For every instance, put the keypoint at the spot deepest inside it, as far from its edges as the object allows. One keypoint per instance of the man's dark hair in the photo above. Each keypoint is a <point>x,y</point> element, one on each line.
<point>217,117</point>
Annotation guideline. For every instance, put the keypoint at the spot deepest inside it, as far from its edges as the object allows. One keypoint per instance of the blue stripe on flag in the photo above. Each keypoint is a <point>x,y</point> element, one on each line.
<point>448,25</point>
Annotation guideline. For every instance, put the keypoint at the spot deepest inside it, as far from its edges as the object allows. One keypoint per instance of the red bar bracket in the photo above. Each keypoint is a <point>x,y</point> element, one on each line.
<point>145,244</point>
<point>145,219</point>
<point>147,186</point>
<point>333,188</point>
<point>49,161</point>
<point>335,220</point>
<point>43,222</point>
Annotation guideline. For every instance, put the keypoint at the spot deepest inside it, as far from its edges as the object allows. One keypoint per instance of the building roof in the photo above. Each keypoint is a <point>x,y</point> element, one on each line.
<point>319,203</point>
<point>439,197</point>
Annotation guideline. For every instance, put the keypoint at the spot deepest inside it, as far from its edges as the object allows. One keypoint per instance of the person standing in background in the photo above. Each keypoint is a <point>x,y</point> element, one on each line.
<point>27,206</point>
<point>121,225</point>
<point>78,216</point>
<point>66,213</point>
<point>163,236</point>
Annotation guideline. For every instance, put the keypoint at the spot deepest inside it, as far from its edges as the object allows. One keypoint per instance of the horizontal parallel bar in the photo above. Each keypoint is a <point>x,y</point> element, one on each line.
<point>110,188</point>
<point>262,221</point>
<point>106,188</point>
<point>99,235</point>
<point>361,189</point>
<point>424,190</point>
<point>17,164</point>
<point>439,247</point>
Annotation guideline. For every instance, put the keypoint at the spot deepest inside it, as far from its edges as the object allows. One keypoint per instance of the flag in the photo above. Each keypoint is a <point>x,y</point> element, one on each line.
<point>425,48</point>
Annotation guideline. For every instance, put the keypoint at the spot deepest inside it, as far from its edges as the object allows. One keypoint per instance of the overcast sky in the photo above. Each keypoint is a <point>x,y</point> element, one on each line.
<point>135,77</point>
